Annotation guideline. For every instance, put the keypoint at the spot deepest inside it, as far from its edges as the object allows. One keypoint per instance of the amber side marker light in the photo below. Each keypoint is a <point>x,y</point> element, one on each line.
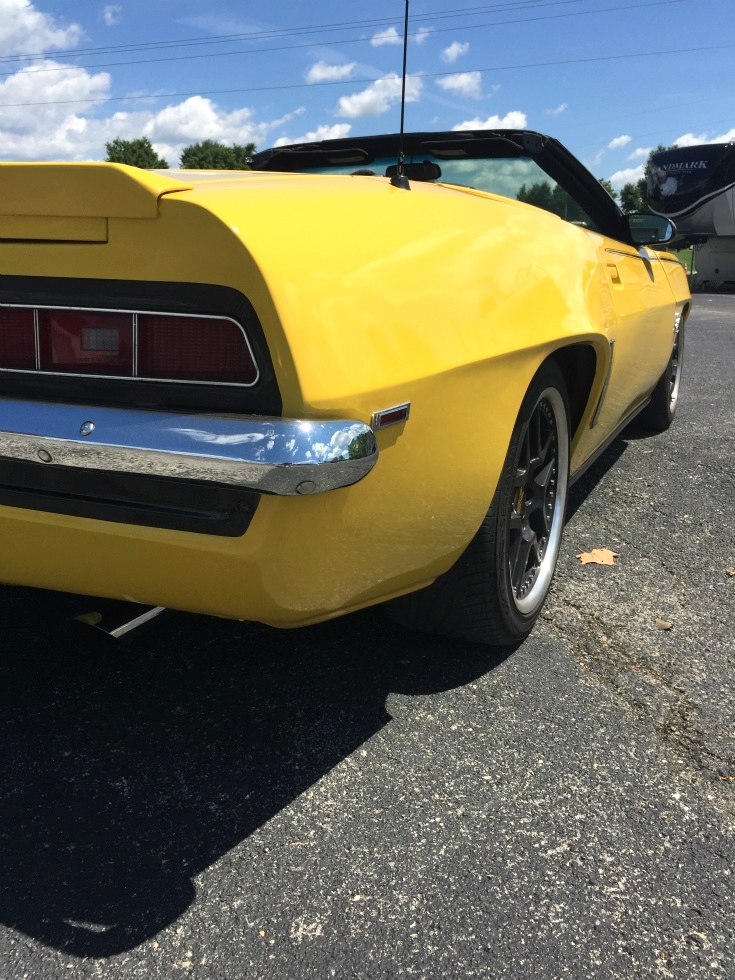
<point>390,416</point>
<point>155,346</point>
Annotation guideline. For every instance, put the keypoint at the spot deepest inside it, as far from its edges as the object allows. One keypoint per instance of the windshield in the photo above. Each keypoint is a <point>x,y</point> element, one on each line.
<point>517,177</point>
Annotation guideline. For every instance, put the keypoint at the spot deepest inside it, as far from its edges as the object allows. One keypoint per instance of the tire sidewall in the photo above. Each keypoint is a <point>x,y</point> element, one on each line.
<point>520,623</point>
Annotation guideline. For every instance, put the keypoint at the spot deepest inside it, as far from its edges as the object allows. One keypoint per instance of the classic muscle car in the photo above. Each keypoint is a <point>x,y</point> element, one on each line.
<point>335,380</point>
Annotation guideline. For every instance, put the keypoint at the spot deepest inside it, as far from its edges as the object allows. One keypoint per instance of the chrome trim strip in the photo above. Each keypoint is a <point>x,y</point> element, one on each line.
<point>270,455</point>
<point>37,339</point>
<point>135,345</point>
<point>646,253</point>
<point>134,313</point>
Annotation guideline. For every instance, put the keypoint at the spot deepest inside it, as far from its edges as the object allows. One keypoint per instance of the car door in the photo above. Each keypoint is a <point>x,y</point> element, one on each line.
<point>641,332</point>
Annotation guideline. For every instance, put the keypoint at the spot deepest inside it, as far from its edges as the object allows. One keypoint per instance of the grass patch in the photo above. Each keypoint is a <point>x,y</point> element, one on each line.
<point>685,256</point>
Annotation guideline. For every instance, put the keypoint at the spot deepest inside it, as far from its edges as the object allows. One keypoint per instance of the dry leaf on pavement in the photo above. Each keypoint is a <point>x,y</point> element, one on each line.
<point>598,556</point>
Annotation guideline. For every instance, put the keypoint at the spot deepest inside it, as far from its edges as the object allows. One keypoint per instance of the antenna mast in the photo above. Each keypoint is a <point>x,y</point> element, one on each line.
<point>399,179</point>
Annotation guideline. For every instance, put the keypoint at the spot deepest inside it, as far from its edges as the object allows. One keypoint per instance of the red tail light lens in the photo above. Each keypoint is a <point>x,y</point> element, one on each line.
<point>17,339</point>
<point>193,349</point>
<point>84,342</point>
<point>160,346</point>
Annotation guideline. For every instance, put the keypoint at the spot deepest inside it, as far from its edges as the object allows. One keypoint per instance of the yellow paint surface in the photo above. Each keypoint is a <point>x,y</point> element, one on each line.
<point>369,297</point>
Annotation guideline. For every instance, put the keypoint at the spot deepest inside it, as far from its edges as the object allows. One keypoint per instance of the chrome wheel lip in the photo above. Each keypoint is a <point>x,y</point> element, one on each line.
<point>533,599</point>
<point>675,364</point>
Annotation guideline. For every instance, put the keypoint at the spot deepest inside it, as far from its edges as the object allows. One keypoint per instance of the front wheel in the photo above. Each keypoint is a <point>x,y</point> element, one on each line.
<point>495,591</point>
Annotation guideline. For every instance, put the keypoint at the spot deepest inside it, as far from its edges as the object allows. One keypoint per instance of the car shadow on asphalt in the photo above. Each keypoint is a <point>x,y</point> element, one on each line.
<point>589,480</point>
<point>585,485</point>
<point>128,769</point>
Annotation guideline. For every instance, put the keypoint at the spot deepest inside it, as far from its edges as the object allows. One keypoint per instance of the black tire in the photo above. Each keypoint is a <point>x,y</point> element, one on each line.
<point>658,415</point>
<point>495,591</point>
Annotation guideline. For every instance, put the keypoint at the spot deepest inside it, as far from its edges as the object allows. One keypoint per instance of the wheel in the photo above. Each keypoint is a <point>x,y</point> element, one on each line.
<point>659,413</point>
<point>495,591</point>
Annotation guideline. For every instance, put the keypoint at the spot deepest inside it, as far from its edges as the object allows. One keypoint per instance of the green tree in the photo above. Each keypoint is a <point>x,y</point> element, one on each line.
<point>540,195</point>
<point>554,199</point>
<point>241,154</point>
<point>608,187</point>
<point>210,155</point>
<point>634,196</point>
<point>136,153</point>
<point>360,446</point>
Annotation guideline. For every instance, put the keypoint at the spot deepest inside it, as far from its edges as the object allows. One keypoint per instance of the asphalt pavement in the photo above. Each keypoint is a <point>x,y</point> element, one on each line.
<point>223,801</point>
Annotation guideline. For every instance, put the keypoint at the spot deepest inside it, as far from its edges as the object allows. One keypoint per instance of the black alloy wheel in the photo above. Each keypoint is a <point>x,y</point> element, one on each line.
<point>658,415</point>
<point>535,520</point>
<point>495,591</point>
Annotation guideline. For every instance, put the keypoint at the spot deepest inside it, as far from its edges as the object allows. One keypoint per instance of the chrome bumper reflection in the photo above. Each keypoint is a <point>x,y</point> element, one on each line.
<point>271,455</point>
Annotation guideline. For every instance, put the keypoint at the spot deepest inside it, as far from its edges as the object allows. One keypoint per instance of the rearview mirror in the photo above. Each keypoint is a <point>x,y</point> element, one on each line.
<point>417,171</point>
<point>649,229</point>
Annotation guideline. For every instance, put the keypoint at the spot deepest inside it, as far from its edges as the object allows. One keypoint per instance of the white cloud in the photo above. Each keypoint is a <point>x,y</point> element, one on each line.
<point>378,97</point>
<point>389,36</point>
<point>50,126</point>
<point>197,118</point>
<point>628,176</point>
<point>511,120</point>
<point>467,83</point>
<point>25,30</point>
<point>60,128</point>
<point>689,139</point>
<point>421,34</point>
<point>112,14</point>
<point>53,111</point>
<point>454,51</point>
<point>338,131</point>
<point>322,72</point>
<point>618,143</point>
<point>640,153</point>
<point>558,111</point>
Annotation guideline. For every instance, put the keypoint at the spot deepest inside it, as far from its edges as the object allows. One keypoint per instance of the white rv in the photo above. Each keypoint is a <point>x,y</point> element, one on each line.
<point>695,187</point>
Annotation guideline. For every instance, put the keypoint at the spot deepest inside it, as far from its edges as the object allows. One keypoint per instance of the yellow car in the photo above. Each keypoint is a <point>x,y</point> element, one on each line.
<point>335,380</point>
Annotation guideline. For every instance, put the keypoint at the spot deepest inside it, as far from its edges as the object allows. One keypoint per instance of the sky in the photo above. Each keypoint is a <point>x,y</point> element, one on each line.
<point>609,78</point>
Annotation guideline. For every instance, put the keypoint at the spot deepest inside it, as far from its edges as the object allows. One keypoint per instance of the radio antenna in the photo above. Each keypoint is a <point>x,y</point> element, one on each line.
<point>399,179</point>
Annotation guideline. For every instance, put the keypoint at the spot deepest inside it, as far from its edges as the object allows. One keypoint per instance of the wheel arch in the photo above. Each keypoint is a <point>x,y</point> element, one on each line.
<point>578,365</point>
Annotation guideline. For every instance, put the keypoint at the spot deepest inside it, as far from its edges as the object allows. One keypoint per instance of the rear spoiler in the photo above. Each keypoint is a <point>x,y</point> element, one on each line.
<point>72,201</point>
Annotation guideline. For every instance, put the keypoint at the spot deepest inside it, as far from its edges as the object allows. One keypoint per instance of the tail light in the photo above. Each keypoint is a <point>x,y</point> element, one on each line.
<point>193,349</point>
<point>17,339</point>
<point>153,346</point>
<point>82,342</point>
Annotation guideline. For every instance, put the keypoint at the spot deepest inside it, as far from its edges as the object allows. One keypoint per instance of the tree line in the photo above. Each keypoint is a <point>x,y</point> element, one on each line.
<point>632,197</point>
<point>207,155</point>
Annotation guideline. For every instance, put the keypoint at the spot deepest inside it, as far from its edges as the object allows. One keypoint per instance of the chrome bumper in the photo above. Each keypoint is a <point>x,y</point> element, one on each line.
<point>270,455</point>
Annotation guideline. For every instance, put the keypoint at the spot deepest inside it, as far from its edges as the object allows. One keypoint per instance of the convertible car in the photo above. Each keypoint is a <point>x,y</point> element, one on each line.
<point>357,373</point>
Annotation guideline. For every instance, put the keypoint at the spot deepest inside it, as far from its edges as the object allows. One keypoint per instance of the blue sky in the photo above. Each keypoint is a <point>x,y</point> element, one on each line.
<point>609,78</point>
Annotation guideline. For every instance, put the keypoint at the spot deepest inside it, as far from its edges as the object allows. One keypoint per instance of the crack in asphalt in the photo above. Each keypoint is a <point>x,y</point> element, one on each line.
<point>608,661</point>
